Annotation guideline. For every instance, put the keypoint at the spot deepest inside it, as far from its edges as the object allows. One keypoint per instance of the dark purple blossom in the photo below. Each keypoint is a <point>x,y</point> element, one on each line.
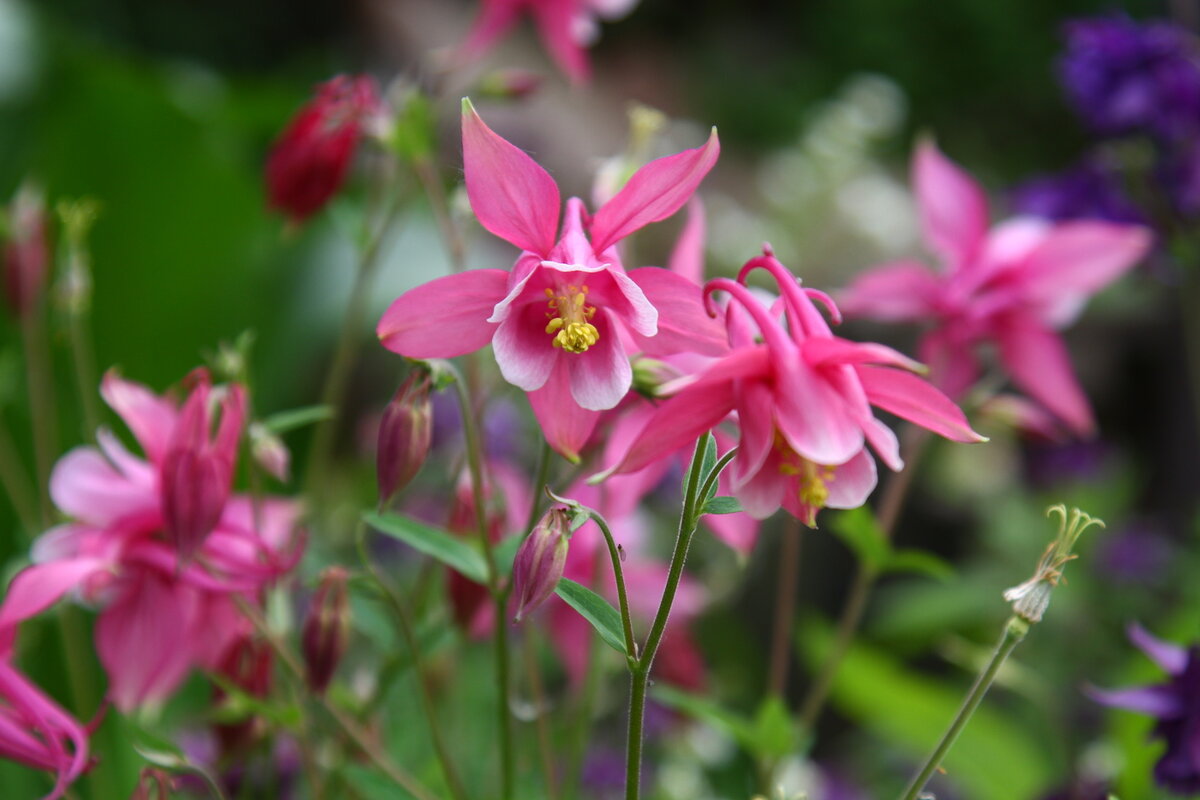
<point>1179,175</point>
<point>1136,553</point>
<point>1175,704</point>
<point>1089,190</point>
<point>1124,76</point>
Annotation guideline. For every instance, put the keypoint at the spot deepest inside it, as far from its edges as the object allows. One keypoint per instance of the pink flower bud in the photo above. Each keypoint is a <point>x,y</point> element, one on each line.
<point>27,253</point>
<point>326,629</point>
<point>197,470</point>
<point>310,159</point>
<point>153,784</point>
<point>270,452</point>
<point>540,561</point>
<point>405,433</point>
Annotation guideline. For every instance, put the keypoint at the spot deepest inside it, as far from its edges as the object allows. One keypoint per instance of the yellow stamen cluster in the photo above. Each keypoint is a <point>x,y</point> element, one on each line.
<point>813,478</point>
<point>569,315</point>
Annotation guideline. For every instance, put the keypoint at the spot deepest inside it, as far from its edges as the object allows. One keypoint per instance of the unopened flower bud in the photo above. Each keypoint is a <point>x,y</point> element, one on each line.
<point>650,374</point>
<point>153,784</point>
<point>540,561</point>
<point>309,161</point>
<point>405,434</point>
<point>270,452</point>
<point>326,629</point>
<point>197,468</point>
<point>26,255</point>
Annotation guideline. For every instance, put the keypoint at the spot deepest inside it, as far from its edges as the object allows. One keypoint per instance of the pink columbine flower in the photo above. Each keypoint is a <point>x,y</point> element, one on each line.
<point>1013,286</point>
<point>803,399</point>
<point>309,161</point>
<point>160,613</point>
<point>37,732</point>
<point>197,468</point>
<point>561,321</point>
<point>567,27</point>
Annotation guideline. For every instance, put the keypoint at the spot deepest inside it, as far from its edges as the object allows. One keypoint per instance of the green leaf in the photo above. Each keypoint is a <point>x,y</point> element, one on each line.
<point>579,518</point>
<point>596,610</point>
<point>860,531</point>
<point>370,784</point>
<point>701,708</point>
<point>722,505</point>
<point>447,548</point>
<point>708,460</point>
<point>158,750</point>
<point>286,421</point>
<point>921,562</point>
<point>775,734</point>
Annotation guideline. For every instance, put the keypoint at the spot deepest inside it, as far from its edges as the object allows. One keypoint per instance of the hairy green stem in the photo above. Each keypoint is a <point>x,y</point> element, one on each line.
<point>1014,631</point>
<point>614,554</point>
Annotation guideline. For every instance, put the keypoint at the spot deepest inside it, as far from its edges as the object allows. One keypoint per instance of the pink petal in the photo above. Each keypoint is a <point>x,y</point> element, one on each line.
<point>1080,258</point>
<point>556,25</point>
<point>142,641</point>
<point>495,18</point>
<point>150,417</point>
<point>565,424</point>
<point>813,416</point>
<point>757,425</point>
<point>823,351</point>
<point>677,423</point>
<point>84,485</point>
<point>655,192</point>
<point>683,323</point>
<point>512,195</point>
<point>444,318</point>
<point>687,258</point>
<point>1171,657</point>
<point>897,292</point>
<point>852,482</point>
<point>623,493</point>
<point>952,206</point>
<point>749,363</point>
<point>911,398</point>
<point>524,351</point>
<point>763,492</point>
<point>38,587</point>
<point>600,377</point>
<point>739,531</point>
<point>1038,362</point>
<point>883,440</point>
<point>953,367</point>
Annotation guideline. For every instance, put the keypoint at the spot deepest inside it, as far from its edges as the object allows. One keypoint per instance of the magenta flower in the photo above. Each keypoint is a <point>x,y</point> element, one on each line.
<point>560,320</point>
<point>803,399</point>
<point>37,732</point>
<point>309,161</point>
<point>1012,286</point>
<point>161,614</point>
<point>567,27</point>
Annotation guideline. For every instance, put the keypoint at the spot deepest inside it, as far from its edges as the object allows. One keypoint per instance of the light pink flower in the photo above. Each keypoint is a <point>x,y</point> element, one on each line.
<point>1012,286</point>
<point>803,399</point>
<point>37,732</point>
<point>561,321</point>
<point>161,614</point>
<point>566,27</point>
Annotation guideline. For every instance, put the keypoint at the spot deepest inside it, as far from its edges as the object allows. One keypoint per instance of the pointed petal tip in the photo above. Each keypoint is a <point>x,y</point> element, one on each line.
<point>468,107</point>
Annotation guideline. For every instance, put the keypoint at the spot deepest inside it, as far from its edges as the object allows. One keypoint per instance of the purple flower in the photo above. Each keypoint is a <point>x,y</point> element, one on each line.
<point>1179,174</point>
<point>1175,703</point>
<point>1090,189</point>
<point>1137,553</point>
<point>1123,76</point>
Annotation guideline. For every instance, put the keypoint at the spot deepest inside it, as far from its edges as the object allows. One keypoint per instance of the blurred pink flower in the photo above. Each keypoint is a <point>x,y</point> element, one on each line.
<point>803,399</point>
<point>566,27</point>
<point>561,321</point>
<point>161,614</point>
<point>37,732</point>
<point>1012,285</point>
<point>27,251</point>
<point>309,161</point>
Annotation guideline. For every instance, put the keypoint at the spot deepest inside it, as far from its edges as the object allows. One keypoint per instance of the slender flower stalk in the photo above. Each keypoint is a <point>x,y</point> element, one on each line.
<point>785,606</point>
<point>74,290</point>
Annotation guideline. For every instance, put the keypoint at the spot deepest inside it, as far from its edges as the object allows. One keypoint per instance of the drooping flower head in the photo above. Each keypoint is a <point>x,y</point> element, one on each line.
<point>566,27</point>
<point>37,732</point>
<point>1175,704</point>
<point>309,161</point>
<point>803,399</point>
<point>560,321</point>
<point>1011,286</point>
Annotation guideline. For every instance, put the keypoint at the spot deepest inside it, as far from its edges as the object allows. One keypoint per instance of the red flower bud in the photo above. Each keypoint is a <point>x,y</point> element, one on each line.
<point>197,470</point>
<point>326,629</point>
<point>310,159</point>
<point>27,253</point>
<point>405,433</point>
<point>540,561</point>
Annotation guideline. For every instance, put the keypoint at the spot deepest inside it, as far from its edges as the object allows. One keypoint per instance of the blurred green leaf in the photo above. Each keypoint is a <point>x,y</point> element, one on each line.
<point>596,610</point>
<point>722,505</point>
<point>370,784</point>
<point>921,562</point>
<point>445,547</point>
<point>858,528</point>
<point>286,421</point>
<point>775,734</point>
<point>703,709</point>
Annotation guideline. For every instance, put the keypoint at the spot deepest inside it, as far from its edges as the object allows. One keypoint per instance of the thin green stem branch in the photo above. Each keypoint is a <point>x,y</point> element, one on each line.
<point>16,484</point>
<point>785,606</point>
<point>85,373</point>
<point>43,412</point>
<point>432,184</point>
<point>1014,631</point>
<point>614,555</point>
<point>542,482</point>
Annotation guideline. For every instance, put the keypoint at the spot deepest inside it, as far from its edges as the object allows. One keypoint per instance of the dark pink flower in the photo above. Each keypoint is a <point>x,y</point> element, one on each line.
<point>37,732</point>
<point>405,434</point>
<point>1011,286</point>
<point>309,161</point>
<point>326,628</point>
<point>803,399</point>
<point>26,254</point>
<point>540,560</point>
<point>567,27</point>
<point>561,321</point>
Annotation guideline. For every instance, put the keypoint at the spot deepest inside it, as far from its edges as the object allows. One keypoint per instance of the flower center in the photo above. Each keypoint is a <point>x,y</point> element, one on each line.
<point>812,479</point>
<point>569,315</point>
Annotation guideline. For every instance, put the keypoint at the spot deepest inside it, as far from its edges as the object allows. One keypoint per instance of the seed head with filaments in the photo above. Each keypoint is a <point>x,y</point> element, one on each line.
<point>1030,599</point>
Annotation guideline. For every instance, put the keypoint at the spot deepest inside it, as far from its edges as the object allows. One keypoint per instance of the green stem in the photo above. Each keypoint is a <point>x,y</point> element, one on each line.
<point>619,575</point>
<point>85,374</point>
<point>583,712</point>
<point>499,593</point>
<point>542,482</point>
<point>16,484</point>
<point>537,690</point>
<point>432,184</point>
<point>1014,631</point>
<point>42,410</point>
<point>408,631</point>
<point>640,666</point>
<point>785,607</point>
